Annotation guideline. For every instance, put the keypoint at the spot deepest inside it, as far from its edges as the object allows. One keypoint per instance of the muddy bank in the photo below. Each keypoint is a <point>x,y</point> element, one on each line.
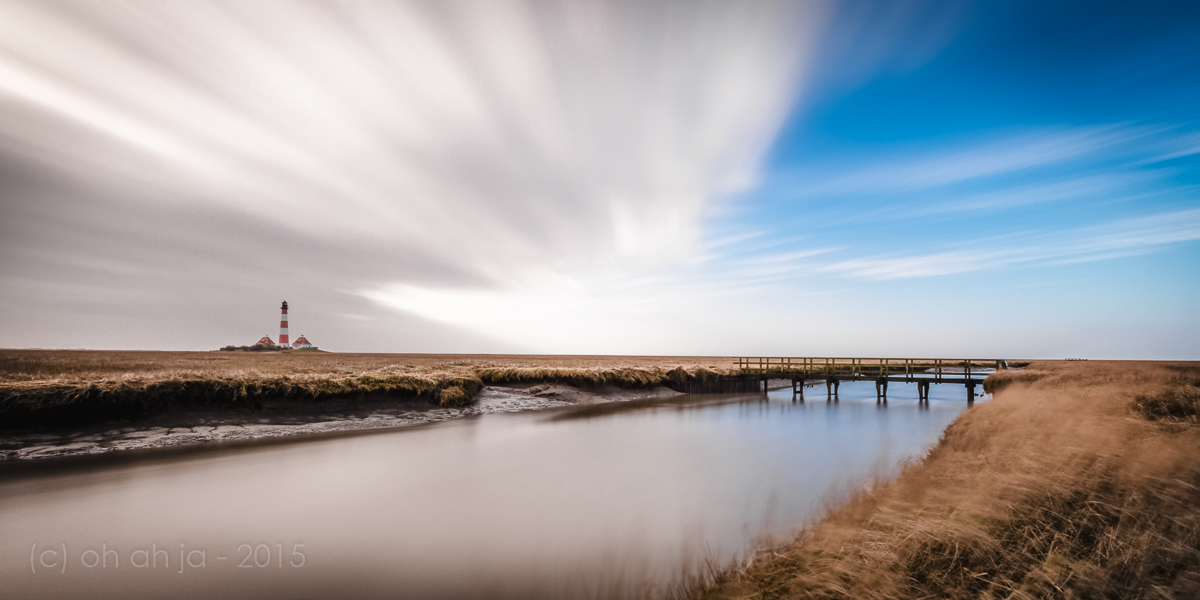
<point>281,418</point>
<point>50,390</point>
<point>53,404</point>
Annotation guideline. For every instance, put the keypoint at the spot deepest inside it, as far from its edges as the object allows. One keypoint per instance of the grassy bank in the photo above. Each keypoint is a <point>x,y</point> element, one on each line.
<point>1078,480</point>
<point>68,388</point>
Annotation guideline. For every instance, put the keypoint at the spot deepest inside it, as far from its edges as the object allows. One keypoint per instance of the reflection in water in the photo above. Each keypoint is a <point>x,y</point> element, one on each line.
<point>588,501</point>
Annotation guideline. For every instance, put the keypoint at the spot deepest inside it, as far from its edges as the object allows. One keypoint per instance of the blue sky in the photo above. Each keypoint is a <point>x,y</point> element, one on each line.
<point>1014,179</point>
<point>1008,162</point>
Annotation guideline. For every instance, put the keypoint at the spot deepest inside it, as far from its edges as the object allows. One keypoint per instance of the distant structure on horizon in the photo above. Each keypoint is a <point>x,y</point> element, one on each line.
<point>265,343</point>
<point>301,342</point>
<point>283,328</point>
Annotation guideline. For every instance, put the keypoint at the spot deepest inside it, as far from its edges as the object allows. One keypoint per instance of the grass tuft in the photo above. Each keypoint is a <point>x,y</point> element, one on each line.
<point>1175,403</point>
<point>1006,377</point>
<point>458,392</point>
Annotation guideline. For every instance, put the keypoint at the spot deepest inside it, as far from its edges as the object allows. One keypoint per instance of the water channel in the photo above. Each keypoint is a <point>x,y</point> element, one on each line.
<point>590,501</point>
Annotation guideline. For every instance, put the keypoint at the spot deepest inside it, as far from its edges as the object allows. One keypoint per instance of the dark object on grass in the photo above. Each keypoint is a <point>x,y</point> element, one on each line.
<point>1176,403</point>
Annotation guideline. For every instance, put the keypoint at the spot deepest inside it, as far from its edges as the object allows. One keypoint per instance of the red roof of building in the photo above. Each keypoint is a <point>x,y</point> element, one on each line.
<point>301,340</point>
<point>265,341</point>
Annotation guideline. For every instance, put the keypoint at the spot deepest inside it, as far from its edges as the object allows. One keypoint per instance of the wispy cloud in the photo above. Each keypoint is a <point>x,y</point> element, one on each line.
<point>1126,184</point>
<point>1110,240</point>
<point>956,162</point>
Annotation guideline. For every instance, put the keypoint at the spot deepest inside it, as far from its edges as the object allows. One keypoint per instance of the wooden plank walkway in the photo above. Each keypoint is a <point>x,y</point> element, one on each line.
<point>968,372</point>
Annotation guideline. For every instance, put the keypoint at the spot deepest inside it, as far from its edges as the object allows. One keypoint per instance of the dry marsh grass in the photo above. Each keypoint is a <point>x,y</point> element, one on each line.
<point>1177,403</point>
<point>64,388</point>
<point>1178,400</point>
<point>1057,488</point>
<point>69,366</point>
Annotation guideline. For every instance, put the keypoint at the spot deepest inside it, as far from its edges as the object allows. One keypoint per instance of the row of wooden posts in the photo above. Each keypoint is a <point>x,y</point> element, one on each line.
<point>881,385</point>
<point>922,371</point>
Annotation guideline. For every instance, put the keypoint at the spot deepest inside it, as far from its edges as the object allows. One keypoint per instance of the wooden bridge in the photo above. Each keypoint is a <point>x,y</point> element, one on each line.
<point>922,371</point>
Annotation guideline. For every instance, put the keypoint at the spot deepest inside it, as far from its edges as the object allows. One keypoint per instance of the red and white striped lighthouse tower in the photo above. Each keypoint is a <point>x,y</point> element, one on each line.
<point>283,335</point>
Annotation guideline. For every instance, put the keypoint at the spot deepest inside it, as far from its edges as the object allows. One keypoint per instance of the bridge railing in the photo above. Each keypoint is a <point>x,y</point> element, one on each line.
<point>865,367</point>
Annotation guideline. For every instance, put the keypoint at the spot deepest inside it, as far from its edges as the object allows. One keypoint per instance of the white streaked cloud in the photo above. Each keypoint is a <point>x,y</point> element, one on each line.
<point>1129,184</point>
<point>494,133</point>
<point>1123,237</point>
<point>510,163</point>
<point>917,170</point>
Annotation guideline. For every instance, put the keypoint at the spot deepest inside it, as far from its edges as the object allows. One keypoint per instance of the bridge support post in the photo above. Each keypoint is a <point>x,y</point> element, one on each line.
<point>881,391</point>
<point>970,394</point>
<point>923,392</point>
<point>831,386</point>
<point>797,390</point>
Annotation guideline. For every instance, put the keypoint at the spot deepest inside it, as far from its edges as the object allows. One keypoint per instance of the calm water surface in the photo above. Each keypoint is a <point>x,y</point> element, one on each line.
<point>583,502</point>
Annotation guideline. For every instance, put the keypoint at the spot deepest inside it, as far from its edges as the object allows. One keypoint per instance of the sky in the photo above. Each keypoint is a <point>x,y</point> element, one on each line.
<point>900,178</point>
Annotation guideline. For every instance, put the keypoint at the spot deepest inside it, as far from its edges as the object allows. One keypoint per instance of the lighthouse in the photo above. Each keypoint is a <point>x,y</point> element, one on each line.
<point>283,334</point>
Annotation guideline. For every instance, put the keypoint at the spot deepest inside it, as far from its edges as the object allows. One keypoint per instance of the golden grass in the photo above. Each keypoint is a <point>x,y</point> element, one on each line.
<point>1178,401</point>
<point>1056,488</point>
<point>93,365</point>
<point>58,388</point>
